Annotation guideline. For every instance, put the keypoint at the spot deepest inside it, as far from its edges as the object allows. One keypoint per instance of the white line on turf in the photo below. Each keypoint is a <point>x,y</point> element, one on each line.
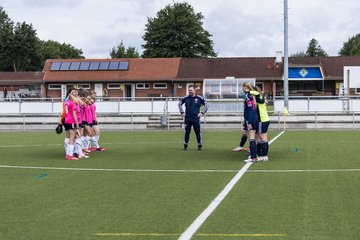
<point>192,229</point>
<point>180,170</point>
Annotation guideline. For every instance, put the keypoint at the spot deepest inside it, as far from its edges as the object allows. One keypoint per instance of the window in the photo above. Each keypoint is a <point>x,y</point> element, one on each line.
<point>260,85</point>
<point>160,85</point>
<point>357,90</point>
<point>54,86</point>
<point>214,88</point>
<point>84,85</point>
<point>142,85</point>
<point>113,86</point>
<point>179,85</point>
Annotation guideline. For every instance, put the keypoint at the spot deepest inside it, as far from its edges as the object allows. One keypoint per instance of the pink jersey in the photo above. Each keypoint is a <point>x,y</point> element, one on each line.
<point>83,113</point>
<point>88,113</point>
<point>69,108</point>
<point>79,113</point>
<point>93,111</point>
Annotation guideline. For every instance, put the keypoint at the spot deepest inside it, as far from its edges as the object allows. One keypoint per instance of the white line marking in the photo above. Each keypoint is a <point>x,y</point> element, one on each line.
<point>120,170</point>
<point>179,170</point>
<point>192,229</point>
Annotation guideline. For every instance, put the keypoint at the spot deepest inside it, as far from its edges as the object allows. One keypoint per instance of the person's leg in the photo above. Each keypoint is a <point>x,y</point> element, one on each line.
<point>187,130</point>
<point>197,130</point>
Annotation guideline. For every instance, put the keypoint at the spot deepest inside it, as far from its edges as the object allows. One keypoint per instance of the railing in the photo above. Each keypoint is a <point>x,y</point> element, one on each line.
<point>167,105</point>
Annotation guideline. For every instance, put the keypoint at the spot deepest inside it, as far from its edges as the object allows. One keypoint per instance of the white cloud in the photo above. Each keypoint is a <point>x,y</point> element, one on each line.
<point>239,28</point>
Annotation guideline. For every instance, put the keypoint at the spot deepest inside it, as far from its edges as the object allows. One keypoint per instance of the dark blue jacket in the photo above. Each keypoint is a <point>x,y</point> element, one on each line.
<point>250,111</point>
<point>192,105</point>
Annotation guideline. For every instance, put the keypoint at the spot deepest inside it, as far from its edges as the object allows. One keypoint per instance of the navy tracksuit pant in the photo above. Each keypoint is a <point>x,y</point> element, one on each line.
<point>192,122</point>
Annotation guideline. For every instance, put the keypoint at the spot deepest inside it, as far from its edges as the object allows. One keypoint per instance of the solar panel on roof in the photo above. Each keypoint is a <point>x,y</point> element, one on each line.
<point>65,66</point>
<point>55,66</point>
<point>123,66</point>
<point>104,66</point>
<point>74,66</point>
<point>94,65</point>
<point>113,65</point>
<point>84,66</point>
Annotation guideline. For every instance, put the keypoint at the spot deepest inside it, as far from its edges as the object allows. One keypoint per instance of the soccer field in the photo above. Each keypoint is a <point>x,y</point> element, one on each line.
<point>146,187</point>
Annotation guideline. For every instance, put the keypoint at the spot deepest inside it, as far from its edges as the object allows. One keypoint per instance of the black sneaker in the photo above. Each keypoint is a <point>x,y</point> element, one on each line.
<point>185,147</point>
<point>199,147</point>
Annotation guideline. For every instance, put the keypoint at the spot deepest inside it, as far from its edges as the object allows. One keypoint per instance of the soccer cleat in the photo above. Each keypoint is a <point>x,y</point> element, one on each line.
<point>76,155</point>
<point>185,147</point>
<point>85,151</point>
<point>238,149</point>
<point>250,160</point>
<point>260,159</point>
<point>266,158</point>
<point>199,147</point>
<point>70,158</point>
<point>100,149</point>
<point>83,156</point>
<point>92,149</point>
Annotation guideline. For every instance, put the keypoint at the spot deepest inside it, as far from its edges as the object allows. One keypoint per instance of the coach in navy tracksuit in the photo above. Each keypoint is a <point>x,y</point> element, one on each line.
<point>192,103</point>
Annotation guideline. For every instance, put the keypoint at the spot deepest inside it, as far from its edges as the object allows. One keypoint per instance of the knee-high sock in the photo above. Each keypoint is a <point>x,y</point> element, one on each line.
<point>70,150</point>
<point>243,140</point>
<point>252,148</point>
<point>78,148</point>
<point>66,142</point>
<point>265,148</point>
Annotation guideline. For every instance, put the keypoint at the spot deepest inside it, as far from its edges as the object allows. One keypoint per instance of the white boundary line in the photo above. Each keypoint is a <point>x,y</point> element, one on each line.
<point>192,229</point>
<point>181,170</point>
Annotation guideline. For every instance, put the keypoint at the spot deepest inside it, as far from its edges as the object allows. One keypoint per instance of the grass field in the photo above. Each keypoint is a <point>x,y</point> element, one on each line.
<point>146,187</point>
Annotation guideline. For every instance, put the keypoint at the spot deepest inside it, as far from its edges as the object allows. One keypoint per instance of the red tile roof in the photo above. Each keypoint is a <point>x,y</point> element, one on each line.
<point>7,78</point>
<point>140,69</point>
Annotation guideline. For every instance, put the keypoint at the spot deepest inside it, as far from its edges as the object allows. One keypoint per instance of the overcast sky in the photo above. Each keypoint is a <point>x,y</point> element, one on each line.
<point>239,28</point>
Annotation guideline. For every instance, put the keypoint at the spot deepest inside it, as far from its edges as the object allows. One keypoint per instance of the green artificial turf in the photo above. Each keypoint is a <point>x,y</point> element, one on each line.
<point>125,189</point>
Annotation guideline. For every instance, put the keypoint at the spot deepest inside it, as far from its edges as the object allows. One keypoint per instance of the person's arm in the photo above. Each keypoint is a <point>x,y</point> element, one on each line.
<point>181,102</point>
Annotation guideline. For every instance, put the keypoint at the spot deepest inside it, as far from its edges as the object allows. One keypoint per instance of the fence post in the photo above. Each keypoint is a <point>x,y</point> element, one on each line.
<point>315,120</point>
<point>308,104</point>
<point>132,122</point>
<point>353,120</point>
<point>278,120</point>
<point>118,105</point>
<point>24,122</point>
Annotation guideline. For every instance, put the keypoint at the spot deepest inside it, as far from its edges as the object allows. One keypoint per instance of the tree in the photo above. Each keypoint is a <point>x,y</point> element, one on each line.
<point>54,50</point>
<point>177,31</point>
<point>119,51</point>
<point>6,41</point>
<point>351,47</point>
<point>315,50</point>
<point>26,49</point>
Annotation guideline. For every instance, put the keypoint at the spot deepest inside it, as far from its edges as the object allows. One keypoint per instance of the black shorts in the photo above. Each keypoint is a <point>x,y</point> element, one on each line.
<point>82,124</point>
<point>263,127</point>
<point>94,123</point>
<point>245,128</point>
<point>70,126</point>
<point>254,125</point>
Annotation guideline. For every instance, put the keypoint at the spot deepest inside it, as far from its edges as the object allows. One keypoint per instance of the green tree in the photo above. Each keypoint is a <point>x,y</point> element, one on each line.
<point>6,41</point>
<point>177,31</point>
<point>299,54</point>
<point>120,51</point>
<point>351,47</point>
<point>54,50</point>
<point>315,50</point>
<point>26,49</point>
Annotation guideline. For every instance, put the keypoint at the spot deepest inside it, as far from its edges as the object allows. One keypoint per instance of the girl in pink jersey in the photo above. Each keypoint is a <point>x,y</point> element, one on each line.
<point>80,114</point>
<point>88,126</point>
<point>71,124</point>
<point>95,125</point>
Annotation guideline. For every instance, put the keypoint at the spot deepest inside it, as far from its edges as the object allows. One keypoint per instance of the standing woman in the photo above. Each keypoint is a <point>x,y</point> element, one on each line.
<point>264,123</point>
<point>71,123</point>
<point>251,119</point>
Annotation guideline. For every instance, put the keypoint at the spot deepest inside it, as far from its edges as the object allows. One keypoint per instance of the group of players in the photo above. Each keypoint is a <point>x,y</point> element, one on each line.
<point>79,120</point>
<point>256,124</point>
<point>256,121</point>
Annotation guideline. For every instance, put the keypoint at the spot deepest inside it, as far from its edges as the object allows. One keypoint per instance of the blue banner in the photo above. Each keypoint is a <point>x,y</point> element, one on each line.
<point>305,73</point>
